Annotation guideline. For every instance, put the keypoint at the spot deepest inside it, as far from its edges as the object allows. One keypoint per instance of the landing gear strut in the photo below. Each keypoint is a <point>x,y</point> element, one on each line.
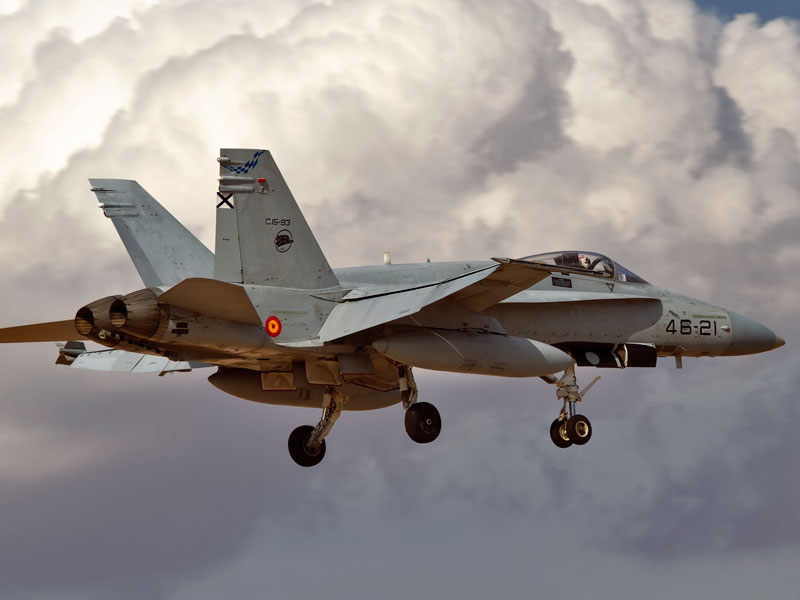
<point>570,428</point>
<point>307,443</point>
<point>423,421</point>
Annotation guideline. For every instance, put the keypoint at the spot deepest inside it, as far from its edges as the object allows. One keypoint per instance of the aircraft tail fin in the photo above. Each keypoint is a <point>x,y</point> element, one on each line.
<point>262,236</point>
<point>163,251</point>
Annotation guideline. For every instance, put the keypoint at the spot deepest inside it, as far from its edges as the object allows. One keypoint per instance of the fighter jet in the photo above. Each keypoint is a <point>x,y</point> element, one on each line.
<point>282,327</point>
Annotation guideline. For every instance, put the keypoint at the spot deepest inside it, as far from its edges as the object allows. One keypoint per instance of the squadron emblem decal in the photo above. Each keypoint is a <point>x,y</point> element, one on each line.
<point>273,327</point>
<point>284,240</point>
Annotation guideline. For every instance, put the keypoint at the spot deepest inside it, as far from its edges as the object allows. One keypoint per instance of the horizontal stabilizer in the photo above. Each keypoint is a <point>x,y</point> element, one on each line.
<point>121,361</point>
<point>58,331</point>
<point>214,299</point>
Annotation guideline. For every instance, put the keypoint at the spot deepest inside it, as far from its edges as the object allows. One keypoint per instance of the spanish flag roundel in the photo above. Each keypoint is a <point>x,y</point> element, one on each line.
<point>273,327</point>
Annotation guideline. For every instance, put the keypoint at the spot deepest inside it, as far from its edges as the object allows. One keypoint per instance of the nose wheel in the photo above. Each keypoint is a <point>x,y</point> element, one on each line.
<point>558,433</point>
<point>579,429</point>
<point>570,428</point>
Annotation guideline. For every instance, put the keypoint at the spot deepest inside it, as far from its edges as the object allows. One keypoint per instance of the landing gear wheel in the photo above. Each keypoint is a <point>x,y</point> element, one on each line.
<point>423,422</point>
<point>300,452</point>
<point>579,429</point>
<point>558,433</point>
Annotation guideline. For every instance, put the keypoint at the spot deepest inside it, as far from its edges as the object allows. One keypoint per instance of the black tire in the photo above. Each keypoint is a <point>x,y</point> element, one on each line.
<point>423,422</point>
<point>558,433</point>
<point>579,429</point>
<point>298,450</point>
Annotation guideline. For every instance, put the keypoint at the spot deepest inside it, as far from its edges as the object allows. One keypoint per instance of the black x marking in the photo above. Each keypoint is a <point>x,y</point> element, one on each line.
<point>225,199</point>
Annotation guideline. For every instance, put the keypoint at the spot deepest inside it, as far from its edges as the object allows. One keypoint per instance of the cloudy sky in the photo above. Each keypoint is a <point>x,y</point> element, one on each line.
<point>660,132</point>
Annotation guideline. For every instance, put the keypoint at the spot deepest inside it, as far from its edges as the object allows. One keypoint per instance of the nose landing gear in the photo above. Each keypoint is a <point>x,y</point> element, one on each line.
<point>570,428</point>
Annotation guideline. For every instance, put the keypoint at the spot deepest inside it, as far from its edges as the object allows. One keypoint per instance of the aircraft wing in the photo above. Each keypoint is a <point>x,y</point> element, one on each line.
<point>475,291</point>
<point>57,331</point>
<point>362,309</point>
<point>509,280</point>
<point>506,280</point>
<point>122,361</point>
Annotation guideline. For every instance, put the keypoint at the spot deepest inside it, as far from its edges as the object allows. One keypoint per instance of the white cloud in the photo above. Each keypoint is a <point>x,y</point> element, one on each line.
<point>456,129</point>
<point>759,67</point>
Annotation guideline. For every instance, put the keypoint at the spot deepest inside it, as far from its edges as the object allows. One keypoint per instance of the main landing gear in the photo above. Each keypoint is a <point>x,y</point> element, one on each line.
<point>423,421</point>
<point>570,428</point>
<point>307,443</point>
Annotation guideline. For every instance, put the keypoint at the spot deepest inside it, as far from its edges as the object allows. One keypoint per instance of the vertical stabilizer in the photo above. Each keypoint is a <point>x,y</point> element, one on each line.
<point>162,250</point>
<point>276,245</point>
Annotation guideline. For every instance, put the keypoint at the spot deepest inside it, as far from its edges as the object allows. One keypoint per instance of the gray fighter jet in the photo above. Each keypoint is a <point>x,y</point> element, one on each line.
<point>282,327</point>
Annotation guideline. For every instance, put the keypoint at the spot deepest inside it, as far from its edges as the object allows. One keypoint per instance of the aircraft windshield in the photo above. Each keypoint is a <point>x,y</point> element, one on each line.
<point>591,263</point>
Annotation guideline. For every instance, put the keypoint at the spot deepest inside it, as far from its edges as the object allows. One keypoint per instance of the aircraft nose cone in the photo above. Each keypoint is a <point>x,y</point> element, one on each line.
<point>751,337</point>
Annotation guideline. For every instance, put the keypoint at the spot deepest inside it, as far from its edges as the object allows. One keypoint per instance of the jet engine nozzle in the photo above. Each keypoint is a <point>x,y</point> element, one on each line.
<point>139,314</point>
<point>94,317</point>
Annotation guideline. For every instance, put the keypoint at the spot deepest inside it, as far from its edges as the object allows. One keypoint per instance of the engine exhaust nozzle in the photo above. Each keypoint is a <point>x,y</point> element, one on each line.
<point>138,314</point>
<point>94,317</point>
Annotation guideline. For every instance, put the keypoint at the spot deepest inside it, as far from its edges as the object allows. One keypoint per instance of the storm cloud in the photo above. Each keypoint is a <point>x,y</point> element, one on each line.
<point>651,131</point>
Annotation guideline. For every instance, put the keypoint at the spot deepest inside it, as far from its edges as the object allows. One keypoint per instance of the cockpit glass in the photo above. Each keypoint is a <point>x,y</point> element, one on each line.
<point>589,263</point>
<point>624,274</point>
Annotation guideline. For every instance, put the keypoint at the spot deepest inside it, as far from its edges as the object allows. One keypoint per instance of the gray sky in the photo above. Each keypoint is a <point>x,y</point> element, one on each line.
<point>663,136</point>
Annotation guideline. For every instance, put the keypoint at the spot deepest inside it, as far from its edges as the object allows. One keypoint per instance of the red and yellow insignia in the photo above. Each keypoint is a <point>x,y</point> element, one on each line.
<point>273,327</point>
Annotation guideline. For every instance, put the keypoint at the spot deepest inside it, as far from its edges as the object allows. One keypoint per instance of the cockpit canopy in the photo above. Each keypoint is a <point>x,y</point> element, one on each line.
<point>587,263</point>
